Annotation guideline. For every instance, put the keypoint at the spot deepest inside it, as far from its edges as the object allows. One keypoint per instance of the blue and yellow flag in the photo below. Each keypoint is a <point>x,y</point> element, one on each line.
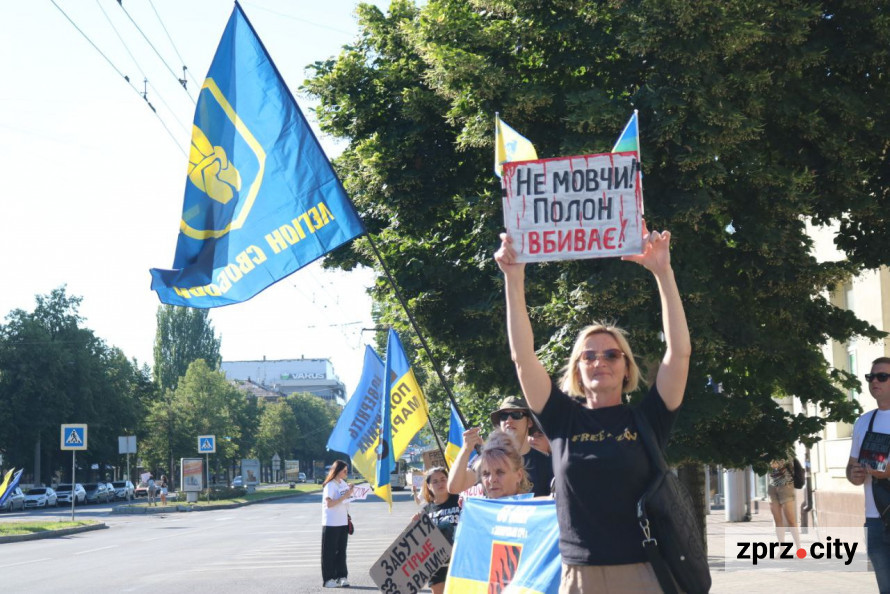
<point>455,438</point>
<point>509,146</point>
<point>261,198</point>
<point>385,459</point>
<point>505,542</point>
<point>9,483</point>
<point>629,141</point>
<point>357,432</point>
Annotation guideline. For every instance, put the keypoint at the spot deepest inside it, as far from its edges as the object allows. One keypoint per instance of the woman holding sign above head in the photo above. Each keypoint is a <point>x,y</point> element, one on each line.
<point>443,510</point>
<point>601,468</point>
<point>335,526</point>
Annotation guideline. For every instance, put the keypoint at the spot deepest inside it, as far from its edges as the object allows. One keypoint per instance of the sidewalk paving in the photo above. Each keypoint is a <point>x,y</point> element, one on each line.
<point>758,580</point>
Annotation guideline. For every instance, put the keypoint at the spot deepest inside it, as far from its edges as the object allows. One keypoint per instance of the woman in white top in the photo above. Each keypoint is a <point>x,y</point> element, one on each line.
<point>335,526</point>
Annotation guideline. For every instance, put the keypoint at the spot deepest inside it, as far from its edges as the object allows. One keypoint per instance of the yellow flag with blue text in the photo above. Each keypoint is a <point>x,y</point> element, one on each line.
<point>509,146</point>
<point>261,198</point>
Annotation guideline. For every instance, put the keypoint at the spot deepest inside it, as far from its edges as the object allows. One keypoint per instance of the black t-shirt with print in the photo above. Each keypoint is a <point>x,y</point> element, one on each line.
<point>540,472</point>
<point>602,469</point>
<point>445,515</point>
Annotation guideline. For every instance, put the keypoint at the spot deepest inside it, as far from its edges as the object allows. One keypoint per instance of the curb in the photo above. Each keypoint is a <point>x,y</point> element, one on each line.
<point>130,509</point>
<point>51,533</point>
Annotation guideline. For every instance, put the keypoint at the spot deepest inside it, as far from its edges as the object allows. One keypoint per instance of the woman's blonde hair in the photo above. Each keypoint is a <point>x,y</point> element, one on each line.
<point>499,447</point>
<point>571,378</point>
<point>425,490</point>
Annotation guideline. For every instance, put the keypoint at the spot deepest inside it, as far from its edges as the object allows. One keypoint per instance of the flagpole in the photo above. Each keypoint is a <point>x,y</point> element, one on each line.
<point>422,342</point>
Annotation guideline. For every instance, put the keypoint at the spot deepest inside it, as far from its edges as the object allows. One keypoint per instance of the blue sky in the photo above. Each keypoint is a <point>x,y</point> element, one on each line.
<point>94,179</point>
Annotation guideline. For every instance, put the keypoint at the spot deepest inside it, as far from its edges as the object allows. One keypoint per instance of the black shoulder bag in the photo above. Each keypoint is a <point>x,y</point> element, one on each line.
<point>672,534</point>
<point>880,488</point>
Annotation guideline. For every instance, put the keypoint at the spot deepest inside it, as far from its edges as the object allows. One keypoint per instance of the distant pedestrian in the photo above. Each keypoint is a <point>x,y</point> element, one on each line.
<point>152,489</point>
<point>335,526</point>
<point>163,488</point>
<point>781,498</point>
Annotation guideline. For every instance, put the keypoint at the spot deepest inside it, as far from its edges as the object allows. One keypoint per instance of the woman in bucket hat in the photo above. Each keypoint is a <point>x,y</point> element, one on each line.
<point>600,465</point>
<point>514,418</point>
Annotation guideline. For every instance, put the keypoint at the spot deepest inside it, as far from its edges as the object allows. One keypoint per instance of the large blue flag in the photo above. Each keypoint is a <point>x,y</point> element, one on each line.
<point>505,545</point>
<point>358,425</point>
<point>261,199</point>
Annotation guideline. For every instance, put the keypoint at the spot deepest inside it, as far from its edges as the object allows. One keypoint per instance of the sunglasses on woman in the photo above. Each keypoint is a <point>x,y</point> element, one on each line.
<point>881,377</point>
<point>609,355</point>
<point>513,414</point>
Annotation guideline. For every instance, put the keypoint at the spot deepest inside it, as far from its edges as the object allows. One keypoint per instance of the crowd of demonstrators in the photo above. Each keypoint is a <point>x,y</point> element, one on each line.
<point>443,509</point>
<point>600,465</point>
<point>782,499</point>
<point>335,526</point>
<point>512,419</point>
<point>878,421</point>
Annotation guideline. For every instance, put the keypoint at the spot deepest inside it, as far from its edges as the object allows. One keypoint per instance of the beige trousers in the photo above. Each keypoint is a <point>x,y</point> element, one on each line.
<point>608,579</point>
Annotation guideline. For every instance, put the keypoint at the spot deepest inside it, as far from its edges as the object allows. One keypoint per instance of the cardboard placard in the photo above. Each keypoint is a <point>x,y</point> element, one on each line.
<point>407,565</point>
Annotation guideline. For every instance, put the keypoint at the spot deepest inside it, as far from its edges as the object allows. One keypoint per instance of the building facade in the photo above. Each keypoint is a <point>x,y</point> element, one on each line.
<point>290,376</point>
<point>836,501</point>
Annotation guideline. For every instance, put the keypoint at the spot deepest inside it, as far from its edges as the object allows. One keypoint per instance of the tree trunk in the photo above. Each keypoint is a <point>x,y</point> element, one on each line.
<point>692,476</point>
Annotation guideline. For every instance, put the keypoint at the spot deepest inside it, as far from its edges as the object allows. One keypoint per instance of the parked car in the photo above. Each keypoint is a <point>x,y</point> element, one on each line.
<point>97,492</point>
<point>64,494</point>
<point>237,482</point>
<point>123,490</point>
<point>41,497</point>
<point>141,490</point>
<point>14,501</point>
<point>301,478</point>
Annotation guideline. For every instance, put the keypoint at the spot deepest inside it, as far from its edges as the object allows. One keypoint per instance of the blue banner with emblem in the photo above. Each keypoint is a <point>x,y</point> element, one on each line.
<point>505,545</point>
<point>261,198</point>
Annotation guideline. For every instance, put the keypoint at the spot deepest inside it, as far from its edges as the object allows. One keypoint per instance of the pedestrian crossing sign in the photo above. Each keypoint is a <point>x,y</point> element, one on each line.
<point>74,437</point>
<point>206,444</point>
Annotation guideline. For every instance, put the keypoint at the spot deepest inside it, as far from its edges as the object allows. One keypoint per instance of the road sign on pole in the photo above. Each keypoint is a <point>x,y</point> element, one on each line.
<point>206,444</point>
<point>74,437</point>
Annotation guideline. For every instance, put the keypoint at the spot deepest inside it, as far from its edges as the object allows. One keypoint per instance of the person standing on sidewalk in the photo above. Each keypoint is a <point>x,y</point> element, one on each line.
<point>163,489</point>
<point>335,526</point>
<point>151,489</point>
<point>878,421</point>
<point>782,500</point>
<point>600,465</point>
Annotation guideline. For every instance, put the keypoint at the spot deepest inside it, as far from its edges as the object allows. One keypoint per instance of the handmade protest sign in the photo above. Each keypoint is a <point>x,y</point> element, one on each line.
<point>573,208</point>
<point>360,492</point>
<point>407,565</point>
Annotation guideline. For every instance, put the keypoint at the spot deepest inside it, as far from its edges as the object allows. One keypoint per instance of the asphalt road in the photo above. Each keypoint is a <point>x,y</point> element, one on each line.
<point>265,547</point>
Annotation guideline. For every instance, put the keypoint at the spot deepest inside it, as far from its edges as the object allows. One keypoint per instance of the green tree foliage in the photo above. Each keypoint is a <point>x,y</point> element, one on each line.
<point>278,432</point>
<point>203,403</point>
<point>754,116</point>
<point>55,371</point>
<point>183,335</point>
<point>315,421</point>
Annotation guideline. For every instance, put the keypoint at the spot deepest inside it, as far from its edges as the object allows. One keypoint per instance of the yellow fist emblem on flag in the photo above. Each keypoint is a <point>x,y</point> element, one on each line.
<point>210,169</point>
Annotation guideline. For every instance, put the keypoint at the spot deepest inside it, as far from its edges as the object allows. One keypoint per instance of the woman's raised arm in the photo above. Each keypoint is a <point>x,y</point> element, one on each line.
<point>533,377</point>
<point>674,368</point>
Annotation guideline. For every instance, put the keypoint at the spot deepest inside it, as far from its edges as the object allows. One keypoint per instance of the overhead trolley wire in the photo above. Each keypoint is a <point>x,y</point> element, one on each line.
<point>141,94</point>
<point>157,53</point>
<point>138,67</point>
<point>185,70</point>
